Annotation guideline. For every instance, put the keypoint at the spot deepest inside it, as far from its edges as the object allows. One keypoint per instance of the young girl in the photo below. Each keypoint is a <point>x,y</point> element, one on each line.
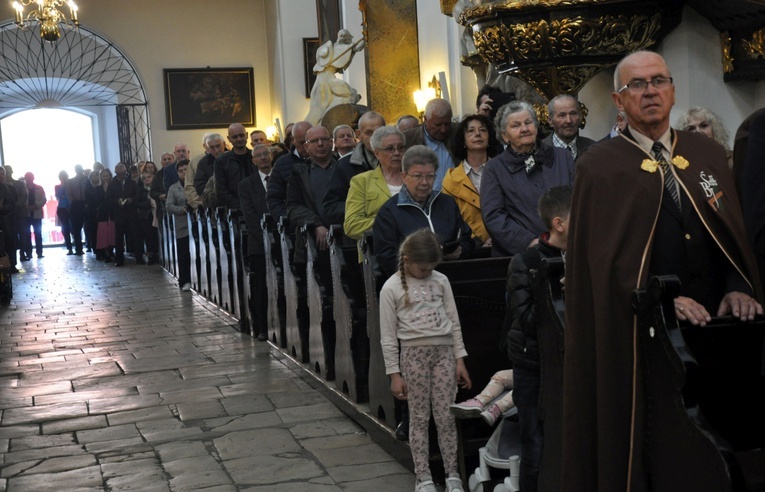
<point>417,311</point>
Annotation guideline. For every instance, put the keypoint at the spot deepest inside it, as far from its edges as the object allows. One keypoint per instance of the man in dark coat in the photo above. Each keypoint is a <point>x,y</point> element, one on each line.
<point>626,225</point>
<point>232,167</point>
<point>252,197</point>
<point>121,195</point>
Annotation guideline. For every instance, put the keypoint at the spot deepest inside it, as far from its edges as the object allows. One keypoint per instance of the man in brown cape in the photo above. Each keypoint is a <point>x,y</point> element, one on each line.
<point>626,225</point>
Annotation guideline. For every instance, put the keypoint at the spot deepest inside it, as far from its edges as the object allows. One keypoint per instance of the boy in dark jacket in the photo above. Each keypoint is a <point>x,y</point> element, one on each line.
<point>522,345</point>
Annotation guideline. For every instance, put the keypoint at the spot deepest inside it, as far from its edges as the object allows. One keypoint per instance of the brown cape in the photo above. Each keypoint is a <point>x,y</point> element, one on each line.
<point>613,215</point>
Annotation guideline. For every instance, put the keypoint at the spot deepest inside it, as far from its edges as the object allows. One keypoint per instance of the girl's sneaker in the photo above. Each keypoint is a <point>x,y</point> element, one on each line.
<point>467,409</point>
<point>454,485</point>
<point>426,486</point>
<point>491,414</point>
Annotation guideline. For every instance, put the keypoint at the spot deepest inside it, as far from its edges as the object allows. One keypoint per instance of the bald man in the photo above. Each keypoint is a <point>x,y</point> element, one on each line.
<point>436,133</point>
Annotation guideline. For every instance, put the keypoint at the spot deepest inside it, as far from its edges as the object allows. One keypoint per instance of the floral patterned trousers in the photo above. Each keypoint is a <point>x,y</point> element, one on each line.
<point>430,376</point>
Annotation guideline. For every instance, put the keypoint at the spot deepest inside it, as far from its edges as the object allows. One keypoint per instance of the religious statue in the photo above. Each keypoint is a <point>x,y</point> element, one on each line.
<point>328,91</point>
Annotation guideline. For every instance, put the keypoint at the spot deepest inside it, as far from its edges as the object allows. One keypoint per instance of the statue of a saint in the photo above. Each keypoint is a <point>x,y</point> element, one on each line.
<point>328,91</point>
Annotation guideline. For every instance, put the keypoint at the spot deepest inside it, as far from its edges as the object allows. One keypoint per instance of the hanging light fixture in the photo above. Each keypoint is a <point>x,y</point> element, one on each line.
<point>48,15</point>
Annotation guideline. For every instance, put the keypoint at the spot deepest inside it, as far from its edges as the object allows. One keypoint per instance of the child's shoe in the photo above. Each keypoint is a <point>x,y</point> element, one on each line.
<point>426,486</point>
<point>491,414</point>
<point>454,485</point>
<point>467,409</point>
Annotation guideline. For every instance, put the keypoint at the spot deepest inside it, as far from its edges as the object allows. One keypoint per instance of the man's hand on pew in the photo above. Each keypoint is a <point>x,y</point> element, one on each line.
<point>321,233</point>
<point>740,306</point>
<point>463,378</point>
<point>686,309</point>
<point>398,386</point>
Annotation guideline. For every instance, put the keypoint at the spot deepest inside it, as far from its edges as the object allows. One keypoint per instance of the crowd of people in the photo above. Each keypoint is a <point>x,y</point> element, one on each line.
<point>498,182</point>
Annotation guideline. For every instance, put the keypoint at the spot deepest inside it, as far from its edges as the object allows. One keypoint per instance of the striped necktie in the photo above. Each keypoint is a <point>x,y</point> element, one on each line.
<point>669,179</point>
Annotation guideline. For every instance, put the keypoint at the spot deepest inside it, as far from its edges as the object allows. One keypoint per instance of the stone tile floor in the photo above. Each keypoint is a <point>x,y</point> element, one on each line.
<point>113,379</point>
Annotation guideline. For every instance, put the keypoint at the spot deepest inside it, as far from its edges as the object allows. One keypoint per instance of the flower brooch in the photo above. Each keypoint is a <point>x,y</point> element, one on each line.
<point>651,166</point>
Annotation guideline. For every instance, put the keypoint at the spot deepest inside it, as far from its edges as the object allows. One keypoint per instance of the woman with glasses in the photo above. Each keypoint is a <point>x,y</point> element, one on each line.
<point>418,206</point>
<point>371,189</point>
<point>513,181</point>
<point>473,145</point>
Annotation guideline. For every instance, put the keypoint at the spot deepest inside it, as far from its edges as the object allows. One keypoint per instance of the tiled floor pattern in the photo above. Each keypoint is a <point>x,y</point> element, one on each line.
<point>112,379</point>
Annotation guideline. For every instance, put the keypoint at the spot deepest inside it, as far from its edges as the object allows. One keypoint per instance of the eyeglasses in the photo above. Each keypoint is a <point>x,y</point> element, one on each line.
<point>261,155</point>
<point>640,85</point>
<point>319,139</point>
<point>398,148</point>
<point>430,178</point>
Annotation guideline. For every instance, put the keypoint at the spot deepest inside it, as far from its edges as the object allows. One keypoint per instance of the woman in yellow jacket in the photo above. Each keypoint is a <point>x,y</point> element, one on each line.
<point>474,143</point>
<point>371,189</point>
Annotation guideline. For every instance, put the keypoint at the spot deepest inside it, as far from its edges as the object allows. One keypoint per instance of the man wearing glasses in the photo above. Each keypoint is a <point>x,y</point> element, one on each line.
<point>650,201</point>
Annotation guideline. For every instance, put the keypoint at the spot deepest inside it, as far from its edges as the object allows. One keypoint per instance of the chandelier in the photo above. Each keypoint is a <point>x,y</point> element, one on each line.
<point>48,15</point>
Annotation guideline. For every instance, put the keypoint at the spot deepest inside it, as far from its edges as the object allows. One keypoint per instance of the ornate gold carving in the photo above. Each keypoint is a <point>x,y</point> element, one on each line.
<point>756,47</point>
<point>535,48</point>
<point>727,58</point>
<point>607,35</point>
<point>492,9</point>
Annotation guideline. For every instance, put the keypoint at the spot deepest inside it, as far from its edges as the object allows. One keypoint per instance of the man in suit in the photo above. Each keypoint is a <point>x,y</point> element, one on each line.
<point>252,198</point>
<point>436,133</point>
<point>565,117</point>
<point>650,201</point>
<point>120,196</point>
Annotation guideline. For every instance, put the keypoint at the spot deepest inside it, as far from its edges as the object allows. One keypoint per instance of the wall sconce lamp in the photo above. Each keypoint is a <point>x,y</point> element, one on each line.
<point>421,99</point>
<point>272,134</point>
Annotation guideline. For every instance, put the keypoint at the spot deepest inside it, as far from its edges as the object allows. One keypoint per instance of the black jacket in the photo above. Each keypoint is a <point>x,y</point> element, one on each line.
<point>522,344</point>
<point>229,172</point>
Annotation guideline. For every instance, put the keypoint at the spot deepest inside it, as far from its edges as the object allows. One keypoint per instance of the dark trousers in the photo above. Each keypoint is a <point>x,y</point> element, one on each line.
<point>8,237</point>
<point>123,232</point>
<point>36,225</point>
<point>526,384</point>
<point>77,219</point>
<point>184,260</point>
<point>91,231</point>
<point>66,226</point>
<point>147,234</point>
<point>259,293</point>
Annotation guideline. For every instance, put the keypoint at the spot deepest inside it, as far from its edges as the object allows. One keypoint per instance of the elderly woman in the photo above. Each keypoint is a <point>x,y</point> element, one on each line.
<point>415,207</point>
<point>704,121</point>
<point>514,180</point>
<point>371,189</point>
<point>473,144</point>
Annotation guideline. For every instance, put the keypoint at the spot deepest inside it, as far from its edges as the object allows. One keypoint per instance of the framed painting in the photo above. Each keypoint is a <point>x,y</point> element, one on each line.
<point>208,97</point>
<point>328,16</point>
<point>310,45</point>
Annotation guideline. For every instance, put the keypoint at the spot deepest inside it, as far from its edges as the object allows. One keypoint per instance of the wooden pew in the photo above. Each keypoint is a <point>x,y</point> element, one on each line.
<point>212,256</point>
<point>349,311</point>
<point>293,325</point>
<point>172,246</point>
<point>237,241</point>
<point>194,252</point>
<point>225,280</point>
<point>479,287</point>
<point>321,331</point>
<point>277,308</point>
<point>704,387</point>
<point>381,403</point>
<point>548,294</point>
<point>205,277</point>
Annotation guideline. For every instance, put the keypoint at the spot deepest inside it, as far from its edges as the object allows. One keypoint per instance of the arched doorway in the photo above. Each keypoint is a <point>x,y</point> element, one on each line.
<point>82,70</point>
